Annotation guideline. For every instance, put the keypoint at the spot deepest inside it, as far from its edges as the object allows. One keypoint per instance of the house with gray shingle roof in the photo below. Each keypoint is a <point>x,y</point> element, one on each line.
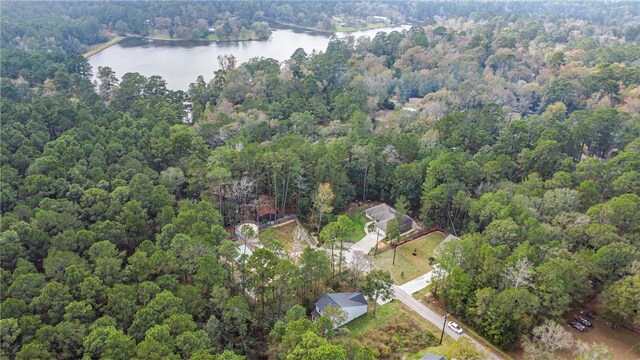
<point>383,213</point>
<point>353,304</point>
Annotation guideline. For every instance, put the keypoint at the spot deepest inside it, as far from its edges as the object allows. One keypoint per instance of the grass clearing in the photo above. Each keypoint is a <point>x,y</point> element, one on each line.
<point>360,28</point>
<point>421,294</point>
<point>212,37</point>
<point>406,263</point>
<point>99,47</point>
<point>359,219</point>
<point>395,330</point>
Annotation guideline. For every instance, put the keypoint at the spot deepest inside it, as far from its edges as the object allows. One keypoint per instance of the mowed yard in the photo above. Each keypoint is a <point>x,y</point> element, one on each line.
<point>409,266</point>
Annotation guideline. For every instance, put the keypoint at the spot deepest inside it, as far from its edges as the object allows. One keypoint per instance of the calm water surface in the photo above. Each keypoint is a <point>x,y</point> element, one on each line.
<point>180,63</point>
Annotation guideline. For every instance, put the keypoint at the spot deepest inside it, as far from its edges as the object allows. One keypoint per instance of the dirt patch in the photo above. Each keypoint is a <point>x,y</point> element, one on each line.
<point>283,237</point>
<point>620,341</point>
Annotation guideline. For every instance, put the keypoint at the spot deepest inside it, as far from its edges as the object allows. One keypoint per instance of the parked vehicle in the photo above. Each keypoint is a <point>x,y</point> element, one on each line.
<point>583,321</point>
<point>578,326</point>
<point>455,327</point>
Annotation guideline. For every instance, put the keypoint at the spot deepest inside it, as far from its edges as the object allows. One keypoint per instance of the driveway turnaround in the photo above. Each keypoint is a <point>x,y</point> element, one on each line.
<point>364,245</point>
<point>367,242</point>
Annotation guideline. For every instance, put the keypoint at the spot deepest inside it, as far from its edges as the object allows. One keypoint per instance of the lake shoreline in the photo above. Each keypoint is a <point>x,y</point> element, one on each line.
<point>105,45</point>
<point>102,46</point>
<point>180,62</point>
<point>95,49</point>
<point>329,32</point>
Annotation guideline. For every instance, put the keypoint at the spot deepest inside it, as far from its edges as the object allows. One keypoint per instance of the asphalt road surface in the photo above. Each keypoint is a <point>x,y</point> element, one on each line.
<point>436,319</point>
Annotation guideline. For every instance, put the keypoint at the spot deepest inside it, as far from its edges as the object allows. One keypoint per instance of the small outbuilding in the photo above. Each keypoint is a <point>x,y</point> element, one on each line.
<point>265,209</point>
<point>353,304</point>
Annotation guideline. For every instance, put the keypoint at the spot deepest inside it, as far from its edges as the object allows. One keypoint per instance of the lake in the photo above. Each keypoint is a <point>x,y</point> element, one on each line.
<point>180,62</point>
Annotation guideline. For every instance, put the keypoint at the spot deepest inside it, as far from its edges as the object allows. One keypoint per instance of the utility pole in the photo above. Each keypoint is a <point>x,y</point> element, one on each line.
<point>394,254</point>
<point>375,252</point>
<point>443,325</point>
<point>394,248</point>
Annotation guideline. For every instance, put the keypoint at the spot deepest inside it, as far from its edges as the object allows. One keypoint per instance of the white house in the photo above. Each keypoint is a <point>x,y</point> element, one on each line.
<point>353,304</point>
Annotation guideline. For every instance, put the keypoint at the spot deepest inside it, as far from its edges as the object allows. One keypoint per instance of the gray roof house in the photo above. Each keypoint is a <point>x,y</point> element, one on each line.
<point>382,213</point>
<point>353,304</point>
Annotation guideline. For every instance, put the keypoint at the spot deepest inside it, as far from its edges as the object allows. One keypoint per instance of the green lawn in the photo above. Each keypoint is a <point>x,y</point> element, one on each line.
<point>420,294</point>
<point>360,28</point>
<point>369,330</point>
<point>356,231</point>
<point>212,37</point>
<point>412,266</point>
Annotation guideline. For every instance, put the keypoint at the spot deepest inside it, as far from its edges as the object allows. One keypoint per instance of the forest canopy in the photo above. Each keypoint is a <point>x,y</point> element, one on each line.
<point>515,126</point>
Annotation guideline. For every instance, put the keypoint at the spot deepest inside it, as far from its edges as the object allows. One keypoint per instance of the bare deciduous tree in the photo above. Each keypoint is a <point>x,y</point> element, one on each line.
<point>298,238</point>
<point>242,192</point>
<point>519,274</point>
<point>546,339</point>
<point>300,189</point>
<point>593,351</point>
<point>360,265</point>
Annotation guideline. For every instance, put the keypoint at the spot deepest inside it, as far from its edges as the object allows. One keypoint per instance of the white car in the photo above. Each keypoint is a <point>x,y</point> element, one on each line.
<point>455,327</point>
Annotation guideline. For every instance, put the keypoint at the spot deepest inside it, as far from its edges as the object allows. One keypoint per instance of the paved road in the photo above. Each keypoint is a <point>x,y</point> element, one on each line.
<point>403,293</point>
<point>434,318</point>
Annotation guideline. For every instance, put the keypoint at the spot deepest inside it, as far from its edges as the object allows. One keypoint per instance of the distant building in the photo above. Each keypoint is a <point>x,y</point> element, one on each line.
<point>383,213</point>
<point>381,19</point>
<point>353,304</point>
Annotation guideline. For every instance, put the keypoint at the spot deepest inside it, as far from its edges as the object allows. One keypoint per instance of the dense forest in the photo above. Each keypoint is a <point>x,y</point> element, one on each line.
<point>515,126</point>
